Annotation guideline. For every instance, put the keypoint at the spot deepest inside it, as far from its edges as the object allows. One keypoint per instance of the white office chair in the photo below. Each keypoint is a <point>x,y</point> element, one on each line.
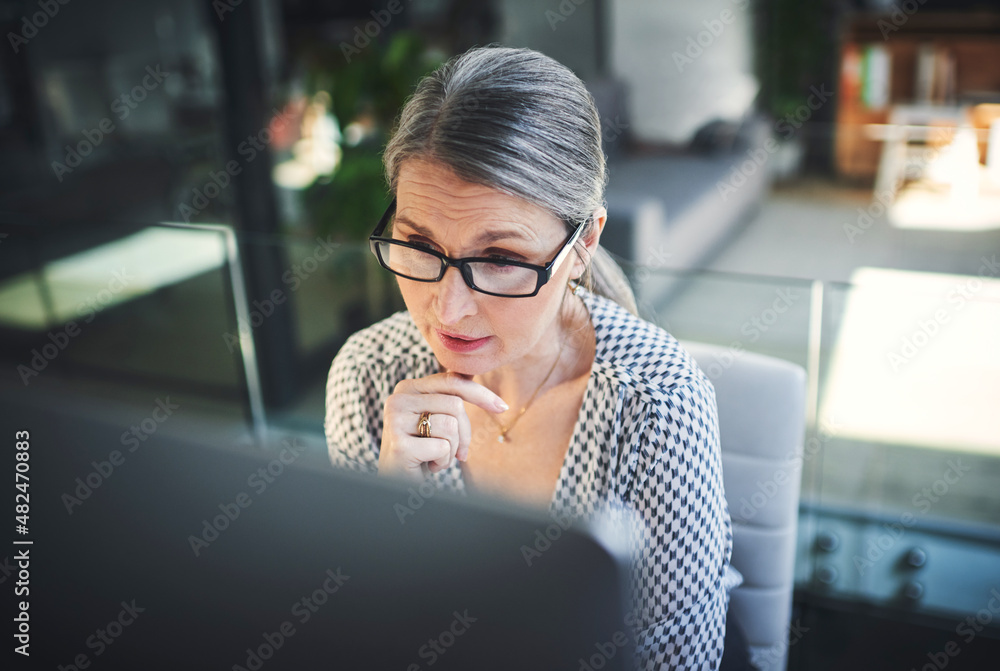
<point>761,404</point>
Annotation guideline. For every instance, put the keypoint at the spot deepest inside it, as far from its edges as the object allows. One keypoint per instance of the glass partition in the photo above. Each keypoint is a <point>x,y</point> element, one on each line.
<point>904,502</point>
<point>900,499</point>
<point>137,310</point>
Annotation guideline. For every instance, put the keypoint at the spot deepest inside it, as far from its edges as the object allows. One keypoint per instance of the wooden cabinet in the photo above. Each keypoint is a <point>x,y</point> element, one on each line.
<point>919,58</point>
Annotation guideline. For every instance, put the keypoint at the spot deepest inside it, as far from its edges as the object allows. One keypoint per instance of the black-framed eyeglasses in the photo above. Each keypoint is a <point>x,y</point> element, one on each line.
<point>494,276</point>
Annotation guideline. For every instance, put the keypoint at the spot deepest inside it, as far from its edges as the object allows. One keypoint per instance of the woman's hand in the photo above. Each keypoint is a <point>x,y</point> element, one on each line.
<point>442,395</point>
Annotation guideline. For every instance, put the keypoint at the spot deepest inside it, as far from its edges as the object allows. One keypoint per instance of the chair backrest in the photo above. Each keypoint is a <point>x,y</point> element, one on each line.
<point>761,404</point>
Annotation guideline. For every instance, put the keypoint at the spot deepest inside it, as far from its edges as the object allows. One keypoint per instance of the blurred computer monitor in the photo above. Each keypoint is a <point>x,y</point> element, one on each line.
<point>176,555</point>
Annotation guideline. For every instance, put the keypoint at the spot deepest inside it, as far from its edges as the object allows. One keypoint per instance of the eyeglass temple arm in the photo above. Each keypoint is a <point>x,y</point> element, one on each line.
<point>568,247</point>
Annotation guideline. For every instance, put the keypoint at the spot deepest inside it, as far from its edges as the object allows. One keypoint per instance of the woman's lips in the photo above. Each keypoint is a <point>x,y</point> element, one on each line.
<point>459,343</point>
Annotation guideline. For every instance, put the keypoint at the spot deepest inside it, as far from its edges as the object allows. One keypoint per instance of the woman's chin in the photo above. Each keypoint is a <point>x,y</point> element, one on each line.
<point>463,365</point>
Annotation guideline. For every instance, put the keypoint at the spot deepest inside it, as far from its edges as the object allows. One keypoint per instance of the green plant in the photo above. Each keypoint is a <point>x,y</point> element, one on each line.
<point>368,90</point>
<point>792,47</point>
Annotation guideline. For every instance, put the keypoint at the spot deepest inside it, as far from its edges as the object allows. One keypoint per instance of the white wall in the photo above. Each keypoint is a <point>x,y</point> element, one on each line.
<point>675,83</point>
<point>563,29</point>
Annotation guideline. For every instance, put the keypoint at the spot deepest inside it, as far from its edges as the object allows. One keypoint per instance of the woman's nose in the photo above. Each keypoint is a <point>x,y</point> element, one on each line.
<point>455,300</point>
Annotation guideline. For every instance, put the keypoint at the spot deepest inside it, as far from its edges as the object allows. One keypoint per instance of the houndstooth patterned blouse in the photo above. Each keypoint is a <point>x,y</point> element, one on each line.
<point>646,441</point>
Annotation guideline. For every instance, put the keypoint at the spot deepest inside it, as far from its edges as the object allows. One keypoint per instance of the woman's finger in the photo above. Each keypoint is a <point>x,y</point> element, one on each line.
<point>453,384</point>
<point>407,409</point>
<point>445,427</point>
<point>435,452</point>
<point>415,403</point>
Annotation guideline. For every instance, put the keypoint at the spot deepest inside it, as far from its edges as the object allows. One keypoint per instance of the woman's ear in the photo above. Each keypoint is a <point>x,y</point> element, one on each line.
<point>600,218</point>
<point>590,240</point>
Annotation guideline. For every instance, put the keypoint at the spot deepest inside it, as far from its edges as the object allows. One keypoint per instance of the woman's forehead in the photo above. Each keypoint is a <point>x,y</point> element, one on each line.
<point>429,195</point>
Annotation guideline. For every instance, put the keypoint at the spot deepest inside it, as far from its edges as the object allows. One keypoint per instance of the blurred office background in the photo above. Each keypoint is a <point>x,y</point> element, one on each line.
<point>186,188</point>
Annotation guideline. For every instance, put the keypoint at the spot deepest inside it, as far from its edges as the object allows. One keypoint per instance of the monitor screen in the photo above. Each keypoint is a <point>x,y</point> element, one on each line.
<point>177,555</point>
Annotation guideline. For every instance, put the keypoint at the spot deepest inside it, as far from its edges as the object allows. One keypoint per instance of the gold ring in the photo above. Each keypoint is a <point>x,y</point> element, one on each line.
<point>424,425</point>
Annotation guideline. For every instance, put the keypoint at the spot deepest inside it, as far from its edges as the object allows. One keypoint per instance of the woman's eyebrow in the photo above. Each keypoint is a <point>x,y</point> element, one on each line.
<point>485,238</point>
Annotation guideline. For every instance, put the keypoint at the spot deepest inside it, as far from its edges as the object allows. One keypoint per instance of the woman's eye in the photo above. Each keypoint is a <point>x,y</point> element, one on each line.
<point>422,244</point>
<point>499,260</point>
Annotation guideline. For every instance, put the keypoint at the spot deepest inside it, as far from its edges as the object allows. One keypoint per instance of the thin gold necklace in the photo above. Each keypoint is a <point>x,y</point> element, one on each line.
<point>502,438</point>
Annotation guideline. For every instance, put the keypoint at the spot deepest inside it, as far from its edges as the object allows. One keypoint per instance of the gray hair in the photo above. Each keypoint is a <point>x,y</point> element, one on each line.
<point>520,122</point>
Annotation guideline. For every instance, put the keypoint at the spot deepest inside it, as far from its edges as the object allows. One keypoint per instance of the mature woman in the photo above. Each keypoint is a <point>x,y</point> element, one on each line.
<point>519,368</point>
